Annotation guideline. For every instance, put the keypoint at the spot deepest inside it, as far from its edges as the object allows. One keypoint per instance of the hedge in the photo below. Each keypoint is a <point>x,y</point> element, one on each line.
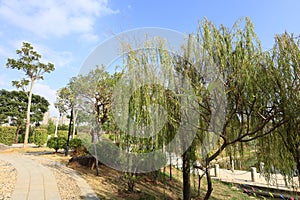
<point>7,134</point>
<point>56,143</point>
<point>40,137</point>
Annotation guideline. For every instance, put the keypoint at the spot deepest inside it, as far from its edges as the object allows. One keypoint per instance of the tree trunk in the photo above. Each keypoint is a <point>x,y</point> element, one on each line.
<point>97,169</point>
<point>186,176</point>
<point>75,113</point>
<point>199,185</point>
<point>28,114</point>
<point>298,165</point>
<point>209,184</point>
<point>17,135</point>
<point>170,167</point>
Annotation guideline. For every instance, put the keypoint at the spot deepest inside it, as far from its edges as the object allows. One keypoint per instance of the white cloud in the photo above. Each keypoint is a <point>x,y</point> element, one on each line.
<point>90,38</point>
<point>48,93</point>
<point>58,58</point>
<point>55,17</point>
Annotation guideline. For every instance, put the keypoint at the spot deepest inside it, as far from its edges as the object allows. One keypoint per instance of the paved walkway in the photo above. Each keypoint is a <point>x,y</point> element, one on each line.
<point>34,181</point>
<point>244,177</point>
<point>37,182</point>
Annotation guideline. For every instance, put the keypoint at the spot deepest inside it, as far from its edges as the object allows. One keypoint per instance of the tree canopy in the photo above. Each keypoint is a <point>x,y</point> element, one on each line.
<point>13,105</point>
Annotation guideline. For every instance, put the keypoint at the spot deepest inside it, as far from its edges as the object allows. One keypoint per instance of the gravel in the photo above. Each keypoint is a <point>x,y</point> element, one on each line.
<point>8,178</point>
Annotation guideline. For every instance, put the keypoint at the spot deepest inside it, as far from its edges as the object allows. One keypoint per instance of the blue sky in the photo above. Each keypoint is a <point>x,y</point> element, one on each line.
<point>64,32</point>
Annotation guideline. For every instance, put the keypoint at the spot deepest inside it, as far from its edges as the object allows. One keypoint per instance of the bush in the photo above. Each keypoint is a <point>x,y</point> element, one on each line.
<point>40,137</point>
<point>75,143</point>
<point>51,127</point>
<point>63,134</point>
<point>7,134</point>
<point>21,138</point>
<point>56,143</point>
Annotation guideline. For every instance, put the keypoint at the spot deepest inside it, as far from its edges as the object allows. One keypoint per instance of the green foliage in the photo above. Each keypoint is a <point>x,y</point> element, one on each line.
<point>75,143</point>
<point>40,137</point>
<point>21,138</point>
<point>63,127</point>
<point>280,151</point>
<point>63,134</point>
<point>64,100</point>
<point>56,143</point>
<point>29,62</point>
<point>7,134</point>
<point>50,127</point>
<point>14,104</point>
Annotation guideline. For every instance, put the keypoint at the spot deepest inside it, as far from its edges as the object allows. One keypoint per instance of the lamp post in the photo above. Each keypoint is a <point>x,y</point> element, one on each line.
<point>69,133</point>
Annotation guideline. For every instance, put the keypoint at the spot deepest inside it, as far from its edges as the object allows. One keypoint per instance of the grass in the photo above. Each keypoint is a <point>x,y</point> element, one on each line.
<point>111,184</point>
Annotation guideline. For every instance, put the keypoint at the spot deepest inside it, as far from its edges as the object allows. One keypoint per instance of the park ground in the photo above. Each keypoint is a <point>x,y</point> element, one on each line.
<point>111,184</point>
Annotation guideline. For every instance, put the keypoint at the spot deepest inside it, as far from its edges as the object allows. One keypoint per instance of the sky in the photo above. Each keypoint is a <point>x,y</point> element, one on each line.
<point>65,32</point>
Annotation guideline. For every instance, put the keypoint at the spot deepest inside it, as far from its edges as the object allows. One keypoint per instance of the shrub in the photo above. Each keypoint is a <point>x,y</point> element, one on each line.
<point>40,137</point>
<point>56,143</point>
<point>63,134</point>
<point>51,127</point>
<point>75,143</point>
<point>7,134</point>
<point>21,138</point>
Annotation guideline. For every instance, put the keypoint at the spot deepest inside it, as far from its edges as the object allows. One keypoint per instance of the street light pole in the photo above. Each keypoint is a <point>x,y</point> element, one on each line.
<point>69,133</point>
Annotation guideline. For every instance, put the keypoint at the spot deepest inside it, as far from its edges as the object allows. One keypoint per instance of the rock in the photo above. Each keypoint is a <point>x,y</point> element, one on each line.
<point>87,161</point>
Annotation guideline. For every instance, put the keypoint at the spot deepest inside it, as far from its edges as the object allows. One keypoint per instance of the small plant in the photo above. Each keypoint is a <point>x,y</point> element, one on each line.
<point>56,143</point>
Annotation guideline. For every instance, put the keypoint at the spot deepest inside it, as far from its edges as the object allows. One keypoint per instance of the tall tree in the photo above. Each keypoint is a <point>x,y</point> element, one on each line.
<point>65,103</point>
<point>283,150</point>
<point>13,104</point>
<point>28,62</point>
<point>247,80</point>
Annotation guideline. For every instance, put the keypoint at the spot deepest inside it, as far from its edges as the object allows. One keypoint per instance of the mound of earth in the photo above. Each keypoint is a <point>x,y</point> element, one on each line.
<point>87,161</point>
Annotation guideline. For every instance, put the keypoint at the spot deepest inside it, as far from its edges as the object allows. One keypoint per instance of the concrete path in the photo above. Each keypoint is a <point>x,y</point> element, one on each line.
<point>244,177</point>
<point>37,182</point>
<point>34,181</point>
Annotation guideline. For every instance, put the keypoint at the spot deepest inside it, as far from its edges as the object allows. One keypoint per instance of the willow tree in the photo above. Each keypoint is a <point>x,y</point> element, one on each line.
<point>281,150</point>
<point>243,69</point>
<point>146,108</point>
<point>28,62</point>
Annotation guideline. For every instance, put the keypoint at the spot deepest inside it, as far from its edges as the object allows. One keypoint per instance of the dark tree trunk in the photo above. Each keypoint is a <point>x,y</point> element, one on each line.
<point>170,167</point>
<point>298,165</point>
<point>209,184</point>
<point>131,182</point>
<point>17,135</point>
<point>186,176</point>
<point>171,172</point>
<point>199,185</point>
<point>97,170</point>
